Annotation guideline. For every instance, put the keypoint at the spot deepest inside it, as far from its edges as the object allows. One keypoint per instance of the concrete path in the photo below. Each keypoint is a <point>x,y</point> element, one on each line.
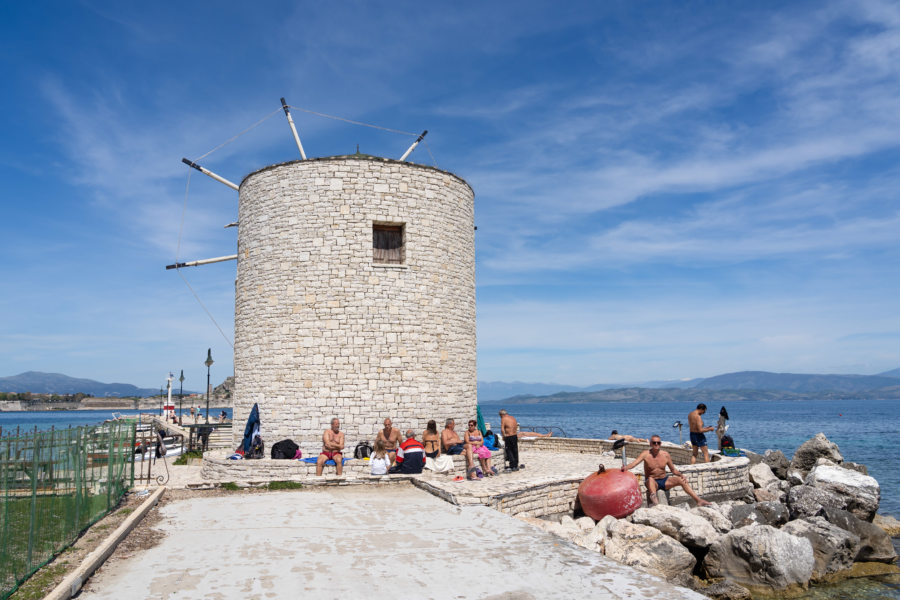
<point>361,542</point>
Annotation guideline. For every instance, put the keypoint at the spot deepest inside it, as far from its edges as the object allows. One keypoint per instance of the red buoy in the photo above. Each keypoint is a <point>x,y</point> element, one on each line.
<point>613,492</point>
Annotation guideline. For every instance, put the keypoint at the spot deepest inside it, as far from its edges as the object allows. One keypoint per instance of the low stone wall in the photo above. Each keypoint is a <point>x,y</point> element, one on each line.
<point>547,489</point>
<point>724,478</point>
<point>538,501</point>
<point>680,454</point>
<point>217,468</point>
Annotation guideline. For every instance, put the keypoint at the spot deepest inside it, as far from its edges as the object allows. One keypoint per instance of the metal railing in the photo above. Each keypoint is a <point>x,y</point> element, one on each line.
<point>53,485</point>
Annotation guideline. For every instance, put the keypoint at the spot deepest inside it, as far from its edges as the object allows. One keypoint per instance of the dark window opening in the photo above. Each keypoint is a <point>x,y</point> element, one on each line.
<point>387,244</point>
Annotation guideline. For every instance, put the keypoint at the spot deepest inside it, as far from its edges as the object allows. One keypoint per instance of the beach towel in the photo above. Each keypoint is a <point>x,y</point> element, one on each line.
<point>441,464</point>
<point>251,429</point>
<point>330,461</point>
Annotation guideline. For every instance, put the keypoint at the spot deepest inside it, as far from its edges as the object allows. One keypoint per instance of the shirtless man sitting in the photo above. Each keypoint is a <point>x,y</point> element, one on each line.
<point>655,462</point>
<point>615,435</point>
<point>332,447</point>
<point>391,439</point>
<point>698,439</point>
<point>451,443</point>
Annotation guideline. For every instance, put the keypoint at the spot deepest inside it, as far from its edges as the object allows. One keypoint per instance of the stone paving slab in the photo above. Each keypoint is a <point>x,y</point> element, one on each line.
<point>361,542</point>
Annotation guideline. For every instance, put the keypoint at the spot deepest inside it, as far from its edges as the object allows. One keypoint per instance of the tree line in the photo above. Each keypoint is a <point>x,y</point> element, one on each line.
<point>31,397</point>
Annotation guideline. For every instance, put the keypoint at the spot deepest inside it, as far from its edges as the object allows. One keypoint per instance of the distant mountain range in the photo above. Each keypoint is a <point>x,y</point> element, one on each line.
<point>37,382</point>
<point>744,384</point>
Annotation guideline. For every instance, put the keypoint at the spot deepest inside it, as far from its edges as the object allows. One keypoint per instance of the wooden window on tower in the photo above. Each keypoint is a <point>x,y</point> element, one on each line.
<point>388,244</point>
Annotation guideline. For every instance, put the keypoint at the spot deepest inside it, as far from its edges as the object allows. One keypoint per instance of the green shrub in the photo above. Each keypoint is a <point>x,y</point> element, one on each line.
<point>285,485</point>
<point>183,459</point>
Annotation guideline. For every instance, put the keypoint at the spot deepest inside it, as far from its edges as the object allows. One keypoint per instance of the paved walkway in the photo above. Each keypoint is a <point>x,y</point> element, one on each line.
<point>361,542</point>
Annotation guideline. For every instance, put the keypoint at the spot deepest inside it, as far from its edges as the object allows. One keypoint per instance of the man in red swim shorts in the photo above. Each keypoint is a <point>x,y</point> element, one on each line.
<point>332,447</point>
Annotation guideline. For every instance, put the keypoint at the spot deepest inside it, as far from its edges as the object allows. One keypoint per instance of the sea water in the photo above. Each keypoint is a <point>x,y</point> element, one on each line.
<point>866,431</point>
<point>26,421</point>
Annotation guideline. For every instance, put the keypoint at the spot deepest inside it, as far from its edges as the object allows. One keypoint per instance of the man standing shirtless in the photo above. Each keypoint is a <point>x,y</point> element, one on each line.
<point>332,447</point>
<point>391,439</point>
<point>698,439</point>
<point>509,427</point>
<point>655,462</point>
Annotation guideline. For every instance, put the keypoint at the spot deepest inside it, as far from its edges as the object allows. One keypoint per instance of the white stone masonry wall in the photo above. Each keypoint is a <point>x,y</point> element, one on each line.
<point>321,330</point>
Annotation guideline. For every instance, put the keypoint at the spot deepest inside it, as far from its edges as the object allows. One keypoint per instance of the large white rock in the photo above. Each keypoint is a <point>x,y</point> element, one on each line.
<point>691,530</point>
<point>761,476</point>
<point>860,493</point>
<point>648,549</point>
<point>761,557</point>
<point>594,539</point>
<point>834,549</point>
<point>585,523</point>
<point>720,522</point>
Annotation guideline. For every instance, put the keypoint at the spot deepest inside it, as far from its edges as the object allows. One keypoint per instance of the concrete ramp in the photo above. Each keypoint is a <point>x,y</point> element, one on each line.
<point>361,542</point>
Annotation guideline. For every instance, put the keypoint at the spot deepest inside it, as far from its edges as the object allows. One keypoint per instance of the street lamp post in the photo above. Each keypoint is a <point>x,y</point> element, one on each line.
<point>208,363</point>
<point>160,401</point>
<point>181,398</point>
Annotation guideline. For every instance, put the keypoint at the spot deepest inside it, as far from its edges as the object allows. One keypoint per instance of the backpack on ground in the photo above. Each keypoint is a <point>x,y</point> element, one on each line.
<point>257,448</point>
<point>363,450</point>
<point>284,449</point>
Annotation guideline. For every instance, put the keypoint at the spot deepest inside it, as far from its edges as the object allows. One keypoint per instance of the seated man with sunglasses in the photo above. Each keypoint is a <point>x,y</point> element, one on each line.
<point>655,462</point>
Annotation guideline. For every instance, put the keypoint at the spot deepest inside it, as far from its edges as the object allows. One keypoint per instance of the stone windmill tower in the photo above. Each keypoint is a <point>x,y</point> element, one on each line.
<point>355,296</point>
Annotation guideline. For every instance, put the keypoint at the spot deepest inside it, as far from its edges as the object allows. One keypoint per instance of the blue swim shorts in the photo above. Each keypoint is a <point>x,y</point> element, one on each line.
<point>661,483</point>
<point>698,439</point>
<point>455,449</point>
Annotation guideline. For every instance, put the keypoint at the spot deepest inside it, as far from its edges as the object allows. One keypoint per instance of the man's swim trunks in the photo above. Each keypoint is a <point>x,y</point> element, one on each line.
<point>698,439</point>
<point>455,449</point>
<point>330,455</point>
<point>661,483</point>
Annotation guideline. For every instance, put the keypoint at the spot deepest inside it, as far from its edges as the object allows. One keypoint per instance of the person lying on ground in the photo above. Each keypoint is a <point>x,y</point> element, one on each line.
<point>655,477</point>
<point>532,434</point>
<point>615,435</point>
<point>332,448</point>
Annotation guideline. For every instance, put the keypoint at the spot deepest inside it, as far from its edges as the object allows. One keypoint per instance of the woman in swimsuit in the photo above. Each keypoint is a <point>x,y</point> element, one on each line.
<point>432,440</point>
<point>474,439</point>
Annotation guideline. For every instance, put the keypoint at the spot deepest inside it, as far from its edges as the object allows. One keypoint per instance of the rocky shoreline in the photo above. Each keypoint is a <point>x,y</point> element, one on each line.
<point>809,520</point>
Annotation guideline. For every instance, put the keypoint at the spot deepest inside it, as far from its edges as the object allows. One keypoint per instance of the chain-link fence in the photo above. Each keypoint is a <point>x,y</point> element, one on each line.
<point>53,485</point>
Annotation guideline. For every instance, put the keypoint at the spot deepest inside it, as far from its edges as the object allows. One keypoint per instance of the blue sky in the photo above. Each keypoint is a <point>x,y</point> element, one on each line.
<point>663,191</point>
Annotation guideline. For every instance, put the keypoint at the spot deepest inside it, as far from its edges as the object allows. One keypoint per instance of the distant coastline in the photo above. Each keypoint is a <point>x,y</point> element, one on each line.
<point>90,403</point>
<point>638,394</point>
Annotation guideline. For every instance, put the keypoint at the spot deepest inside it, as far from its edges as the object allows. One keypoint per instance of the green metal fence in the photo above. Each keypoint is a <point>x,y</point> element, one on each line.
<point>53,485</point>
